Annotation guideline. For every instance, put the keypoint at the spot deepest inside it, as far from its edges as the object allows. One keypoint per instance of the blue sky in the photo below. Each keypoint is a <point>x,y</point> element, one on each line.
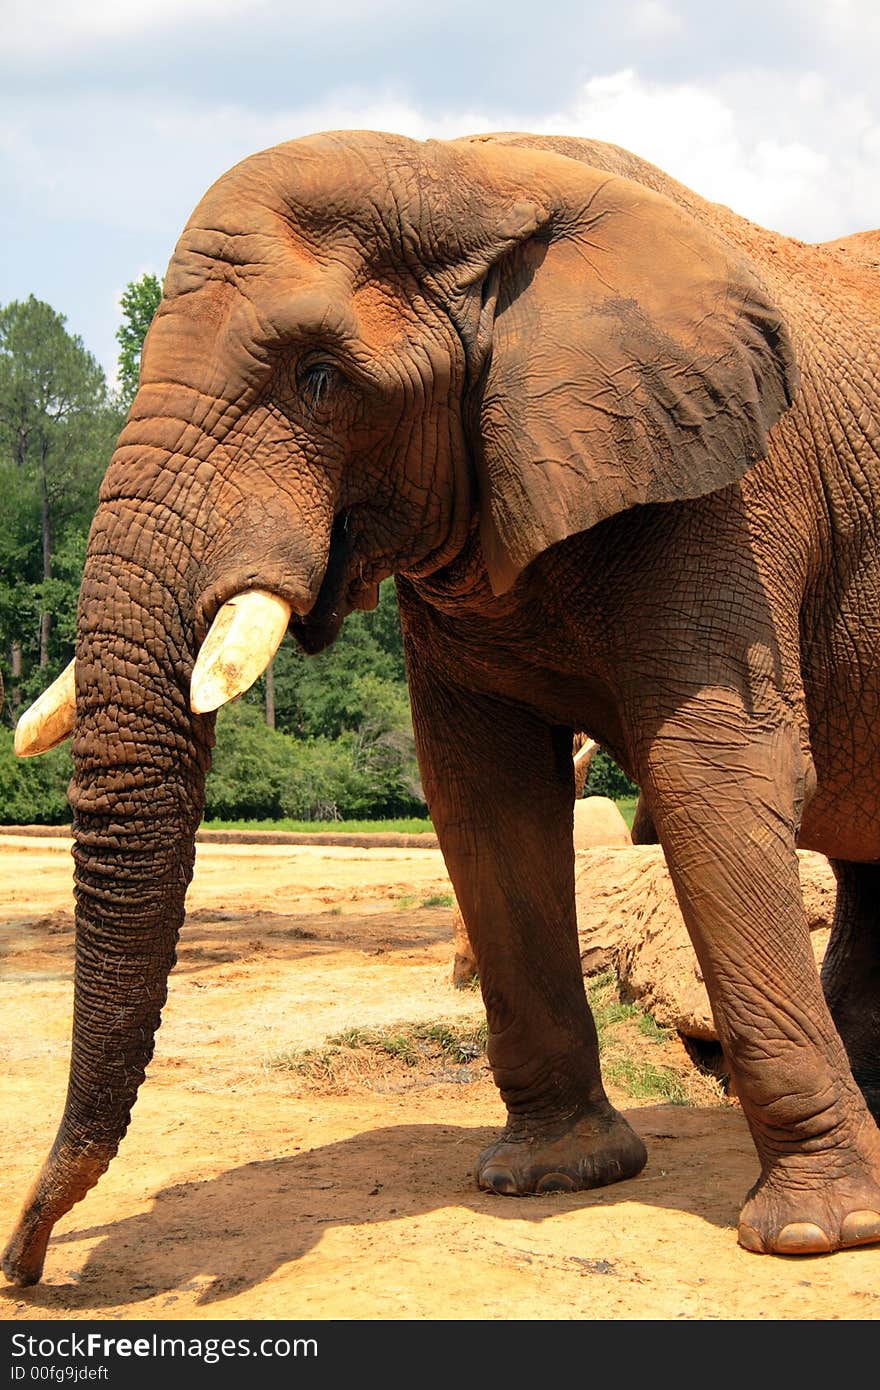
<point>116,115</point>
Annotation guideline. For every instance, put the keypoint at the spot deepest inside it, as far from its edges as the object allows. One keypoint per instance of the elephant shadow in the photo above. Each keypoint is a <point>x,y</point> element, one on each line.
<point>239,1227</point>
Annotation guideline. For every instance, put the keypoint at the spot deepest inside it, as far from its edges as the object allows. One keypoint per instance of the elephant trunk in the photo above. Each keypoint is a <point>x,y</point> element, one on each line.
<point>140,760</point>
<point>170,544</point>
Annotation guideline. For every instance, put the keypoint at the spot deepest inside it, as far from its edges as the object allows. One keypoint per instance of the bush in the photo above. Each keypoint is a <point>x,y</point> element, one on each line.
<point>33,791</point>
<point>260,774</point>
<point>248,773</point>
<point>607,779</point>
<point>257,774</point>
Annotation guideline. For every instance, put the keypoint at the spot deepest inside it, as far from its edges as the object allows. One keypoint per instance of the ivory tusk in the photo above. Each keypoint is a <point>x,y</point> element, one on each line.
<point>243,639</point>
<point>582,760</point>
<point>585,752</point>
<point>49,721</point>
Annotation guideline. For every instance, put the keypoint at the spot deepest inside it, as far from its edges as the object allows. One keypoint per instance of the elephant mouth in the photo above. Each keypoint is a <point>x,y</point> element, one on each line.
<point>340,592</point>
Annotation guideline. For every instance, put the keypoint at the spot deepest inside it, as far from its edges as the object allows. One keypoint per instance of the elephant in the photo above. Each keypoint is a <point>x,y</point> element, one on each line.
<point>620,449</point>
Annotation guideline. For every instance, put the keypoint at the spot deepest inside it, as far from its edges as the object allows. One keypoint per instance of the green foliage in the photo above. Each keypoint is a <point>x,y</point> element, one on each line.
<point>361,1054</point>
<point>262,773</point>
<point>394,825</point>
<point>33,791</point>
<point>348,711</point>
<point>650,1028</point>
<point>57,428</point>
<point>406,901</point>
<point>626,805</point>
<point>383,625</point>
<point>247,777</point>
<point>61,594</point>
<point>357,684</point>
<point>646,1080</point>
<point>640,1058</point>
<point>139,301</point>
<point>623,1029</point>
<point>607,779</point>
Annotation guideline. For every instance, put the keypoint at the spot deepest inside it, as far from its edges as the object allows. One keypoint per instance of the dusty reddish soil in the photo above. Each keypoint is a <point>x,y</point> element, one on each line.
<point>242,1190</point>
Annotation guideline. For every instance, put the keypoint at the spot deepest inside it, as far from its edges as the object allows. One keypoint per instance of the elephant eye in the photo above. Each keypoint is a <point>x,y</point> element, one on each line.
<point>314,383</point>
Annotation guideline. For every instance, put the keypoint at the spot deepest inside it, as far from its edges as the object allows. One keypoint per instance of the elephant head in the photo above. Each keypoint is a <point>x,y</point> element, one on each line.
<point>371,355</point>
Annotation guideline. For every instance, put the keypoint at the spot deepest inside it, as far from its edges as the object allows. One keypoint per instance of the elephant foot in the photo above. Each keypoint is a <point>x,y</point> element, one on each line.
<point>804,1207</point>
<point>592,1148</point>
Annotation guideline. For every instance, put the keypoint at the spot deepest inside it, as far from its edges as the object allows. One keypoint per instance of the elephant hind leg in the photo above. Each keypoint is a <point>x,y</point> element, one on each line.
<point>851,974</point>
<point>726,788</point>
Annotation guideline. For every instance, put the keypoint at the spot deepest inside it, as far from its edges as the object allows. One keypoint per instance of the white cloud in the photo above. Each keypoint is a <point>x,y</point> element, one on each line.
<point>651,19</point>
<point>793,151</point>
<point>54,27</point>
<point>793,155</point>
<point>31,29</point>
<point>840,21</point>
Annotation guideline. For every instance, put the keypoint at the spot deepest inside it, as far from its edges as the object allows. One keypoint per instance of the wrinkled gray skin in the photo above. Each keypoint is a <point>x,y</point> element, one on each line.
<point>536,384</point>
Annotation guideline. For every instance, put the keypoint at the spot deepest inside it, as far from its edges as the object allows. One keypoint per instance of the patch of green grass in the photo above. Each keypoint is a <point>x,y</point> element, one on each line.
<point>650,1028</point>
<point>460,1044</point>
<point>608,1009</point>
<point>640,1058</point>
<point>401,1047</point>
<point>406,901</point>
<point>626,805</point>
<point>623,1031</point>
<point>315,1063</point>
<point>362,1055</point>
<point>351,1037</point>
<point>605,1001</point>
<point>646,1081</point>
<point>405,826</point>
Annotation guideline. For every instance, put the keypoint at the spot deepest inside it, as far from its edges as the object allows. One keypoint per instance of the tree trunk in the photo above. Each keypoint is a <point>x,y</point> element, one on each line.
<point>15,692</point>
<point>270,695</point>
<point>45,616</point>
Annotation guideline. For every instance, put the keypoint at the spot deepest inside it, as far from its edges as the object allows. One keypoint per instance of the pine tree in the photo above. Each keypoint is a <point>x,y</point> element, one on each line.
<point>140,300</point>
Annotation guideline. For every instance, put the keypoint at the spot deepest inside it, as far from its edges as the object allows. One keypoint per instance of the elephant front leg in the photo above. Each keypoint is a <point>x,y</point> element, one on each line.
<point>726,791</point>
<point>500,788</point>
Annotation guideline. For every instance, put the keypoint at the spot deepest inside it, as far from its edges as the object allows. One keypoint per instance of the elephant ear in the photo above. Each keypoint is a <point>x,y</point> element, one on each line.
<point>619,354</point>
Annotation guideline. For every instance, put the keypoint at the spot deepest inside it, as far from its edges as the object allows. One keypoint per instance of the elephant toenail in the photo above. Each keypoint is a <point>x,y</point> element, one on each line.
<point>860,1228</point>
<point>499,1180</point>
<point>555,1182</point>
<point>750,1240</point>
<point>802,1238</point>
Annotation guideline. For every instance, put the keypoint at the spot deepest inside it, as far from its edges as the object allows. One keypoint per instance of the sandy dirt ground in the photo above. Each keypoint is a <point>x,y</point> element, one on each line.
<point>243,1190</point>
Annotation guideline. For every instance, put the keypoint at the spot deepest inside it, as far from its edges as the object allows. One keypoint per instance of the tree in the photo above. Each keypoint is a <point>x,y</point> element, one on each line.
<point>326,695</point>
<point>140,300</point>
<point>57,426</point>
<point>607,779</point>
